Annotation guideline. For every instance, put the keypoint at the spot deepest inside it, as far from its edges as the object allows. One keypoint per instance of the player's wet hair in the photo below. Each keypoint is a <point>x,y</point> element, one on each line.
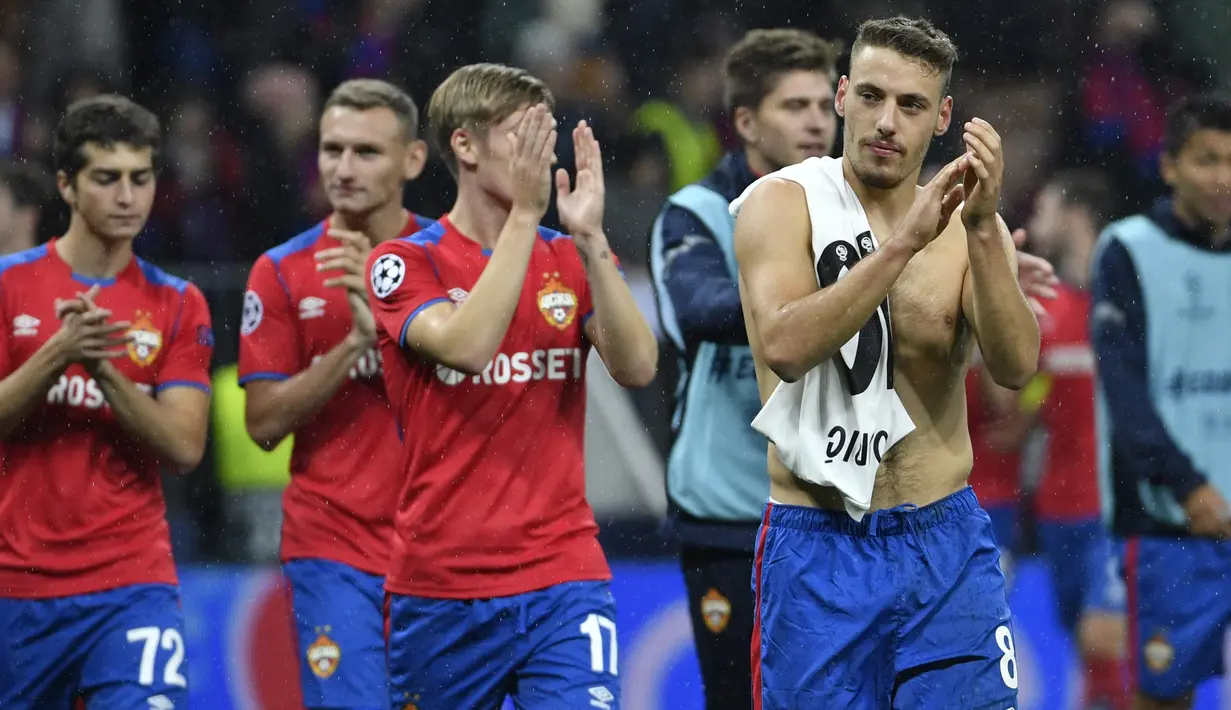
<point>1193,113</point>
<point>105,120</point>
<point>915,39</point>
<point>368,94</point>
<point>756,63</point>
<point>477,96</point>
<point>1090,188</point>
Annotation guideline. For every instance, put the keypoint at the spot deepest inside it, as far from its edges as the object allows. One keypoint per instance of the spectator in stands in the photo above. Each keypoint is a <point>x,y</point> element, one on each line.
<point>22,195</point>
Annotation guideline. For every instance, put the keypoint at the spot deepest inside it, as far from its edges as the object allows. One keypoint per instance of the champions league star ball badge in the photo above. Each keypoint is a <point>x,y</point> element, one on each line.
<point>387,275</point>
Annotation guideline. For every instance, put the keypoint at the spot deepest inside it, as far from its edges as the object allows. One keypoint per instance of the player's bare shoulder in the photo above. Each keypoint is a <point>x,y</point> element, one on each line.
<point>774,206</point>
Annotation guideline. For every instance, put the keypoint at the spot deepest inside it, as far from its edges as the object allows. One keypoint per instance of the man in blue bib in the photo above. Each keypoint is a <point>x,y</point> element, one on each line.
<point>1161,329</point>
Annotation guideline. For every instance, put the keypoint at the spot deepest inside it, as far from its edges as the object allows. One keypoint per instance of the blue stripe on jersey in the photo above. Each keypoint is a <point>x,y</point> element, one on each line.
<point>428,235</point>
<point>551,235</point>
<point>275,376</point>
<point>297,243</point>
<point>22,257</point>
<point>158,277</point>
<point>421,221</point>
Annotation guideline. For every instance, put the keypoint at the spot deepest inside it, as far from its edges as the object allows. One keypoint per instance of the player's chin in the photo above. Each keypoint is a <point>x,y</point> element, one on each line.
<point>119,232</point>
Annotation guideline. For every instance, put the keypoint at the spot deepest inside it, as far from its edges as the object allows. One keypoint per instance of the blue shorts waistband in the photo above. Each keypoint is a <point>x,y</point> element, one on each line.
<point>890,521</point>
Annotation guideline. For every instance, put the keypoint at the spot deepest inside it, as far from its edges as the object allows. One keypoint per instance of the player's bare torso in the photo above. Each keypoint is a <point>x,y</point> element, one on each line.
<point>932,349</point>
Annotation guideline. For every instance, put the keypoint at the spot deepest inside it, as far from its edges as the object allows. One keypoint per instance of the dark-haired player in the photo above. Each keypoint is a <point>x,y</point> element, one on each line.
<point>105,365</point>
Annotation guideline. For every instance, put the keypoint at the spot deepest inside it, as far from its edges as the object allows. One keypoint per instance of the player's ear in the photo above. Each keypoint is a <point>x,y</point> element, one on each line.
<point>945,116</point>
<point>416,158</point>
<point>745,124</point>
<point>839,97</point>
<point>67,191</point>
<point>1166,169</point>
<point>465,148</point>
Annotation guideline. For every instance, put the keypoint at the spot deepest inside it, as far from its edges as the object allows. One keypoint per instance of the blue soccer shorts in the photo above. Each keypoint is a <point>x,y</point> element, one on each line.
<point>1178,611</point>
<point>119,649</point>
<point>904,609</point>
<point>1085,571</point>
<point>340,630</point>
<point>551,649</point>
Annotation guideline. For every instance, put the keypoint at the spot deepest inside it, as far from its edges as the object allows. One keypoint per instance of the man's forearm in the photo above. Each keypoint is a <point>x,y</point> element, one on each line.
<point>26,386</point>
<point>625,341</point>
<point>274,410</point>
<point>810,330</point>
<point>142,416</point>
<point>1007,329</point>
<point>473,333</point>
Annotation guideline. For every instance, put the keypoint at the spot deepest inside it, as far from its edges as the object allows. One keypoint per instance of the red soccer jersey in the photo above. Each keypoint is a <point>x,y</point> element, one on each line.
<point>346,461</point>
<point>996,476</point>
<point>1068,489</point>
<point>494,498</point>
<point>81,504</point>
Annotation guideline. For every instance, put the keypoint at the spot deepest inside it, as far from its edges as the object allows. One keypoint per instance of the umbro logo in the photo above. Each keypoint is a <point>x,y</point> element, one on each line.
<point>311,307</point>
<point>25,325</point>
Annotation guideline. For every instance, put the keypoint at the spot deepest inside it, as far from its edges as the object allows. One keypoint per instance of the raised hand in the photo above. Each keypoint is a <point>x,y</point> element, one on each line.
<point>350,260</point>
<point>986,173</point>
<point>534,151</point>
<point>581,206</point>
<point>934,205</point>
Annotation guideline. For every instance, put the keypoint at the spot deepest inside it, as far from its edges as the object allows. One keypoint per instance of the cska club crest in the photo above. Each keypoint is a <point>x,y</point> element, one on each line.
<point>557,302</point>
<point>144,340</point>
<point>324,656</point>
<point>716,610</point>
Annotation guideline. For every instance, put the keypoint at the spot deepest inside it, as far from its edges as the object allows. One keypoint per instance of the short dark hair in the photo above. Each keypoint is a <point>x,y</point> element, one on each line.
<point>1193,113</point>
<point>367,94</point>
<point>915,39</point>
<point>759,60</point>
<point>478,95</point>
<point>104,120</point>
<point>1090,188</point>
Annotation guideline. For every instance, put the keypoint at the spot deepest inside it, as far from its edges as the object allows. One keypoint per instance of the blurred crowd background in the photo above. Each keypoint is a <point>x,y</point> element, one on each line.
<point>239,87</point>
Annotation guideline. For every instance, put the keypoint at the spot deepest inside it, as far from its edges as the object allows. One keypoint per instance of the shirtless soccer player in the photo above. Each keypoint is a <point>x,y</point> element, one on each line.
<point>905,608</point>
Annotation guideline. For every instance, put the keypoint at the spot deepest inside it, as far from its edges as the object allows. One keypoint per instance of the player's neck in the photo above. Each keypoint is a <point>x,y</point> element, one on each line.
<point>1074,265</point>
<point>891,204</point>
<point>382,224</point>
<point>478,216</point>
<point>1216,233</point>
<point>90,255</point>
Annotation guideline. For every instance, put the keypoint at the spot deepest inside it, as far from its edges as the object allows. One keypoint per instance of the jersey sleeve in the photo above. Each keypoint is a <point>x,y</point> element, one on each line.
<point>5,359</point>
<point>268,339</point>
<point>402,282</point>
<point>187,360</point>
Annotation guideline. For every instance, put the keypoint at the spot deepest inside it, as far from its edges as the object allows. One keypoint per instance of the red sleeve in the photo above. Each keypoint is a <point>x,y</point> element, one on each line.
<point>268,337</point>
<point>402,281</point>
<point>186,362</point>
<point>5,326</point>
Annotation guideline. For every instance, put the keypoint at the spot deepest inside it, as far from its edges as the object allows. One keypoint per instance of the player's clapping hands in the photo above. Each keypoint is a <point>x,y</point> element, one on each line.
<point>984,175</point>
<point>348,263</point>
<point>85,335</point>
<point>581,206</point>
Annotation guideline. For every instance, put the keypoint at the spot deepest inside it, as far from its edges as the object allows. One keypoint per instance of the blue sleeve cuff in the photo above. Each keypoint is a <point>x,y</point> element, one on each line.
<point>277,376</point>
<point>181,383</point>
<point>422,307</point>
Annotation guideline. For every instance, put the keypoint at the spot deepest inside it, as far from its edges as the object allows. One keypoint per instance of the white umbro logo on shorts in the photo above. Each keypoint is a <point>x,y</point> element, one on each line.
<point>601,698</point>
<point>387,275</point>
